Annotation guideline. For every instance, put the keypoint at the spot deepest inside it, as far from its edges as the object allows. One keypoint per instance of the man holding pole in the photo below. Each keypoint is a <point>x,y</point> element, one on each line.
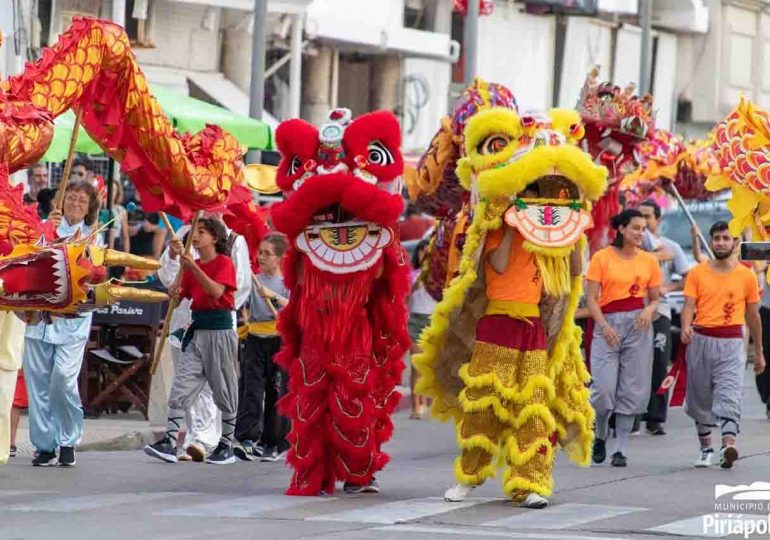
<point>661,326</point>
<point>203,418</point>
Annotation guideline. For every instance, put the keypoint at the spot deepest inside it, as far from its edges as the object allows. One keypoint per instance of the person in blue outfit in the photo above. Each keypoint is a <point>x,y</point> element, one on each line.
<point>53,352</point>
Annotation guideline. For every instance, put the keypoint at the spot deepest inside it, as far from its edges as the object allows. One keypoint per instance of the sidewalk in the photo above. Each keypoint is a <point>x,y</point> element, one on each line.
<point>109,432</point>
<point>124,431</point>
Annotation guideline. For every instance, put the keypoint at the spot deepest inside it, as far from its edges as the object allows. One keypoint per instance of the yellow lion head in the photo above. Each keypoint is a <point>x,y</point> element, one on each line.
<point>533,161</point>
<point>529,170</point>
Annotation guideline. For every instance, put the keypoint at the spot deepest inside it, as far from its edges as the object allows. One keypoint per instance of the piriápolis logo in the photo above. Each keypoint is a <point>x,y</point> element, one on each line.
<point>740,510</point>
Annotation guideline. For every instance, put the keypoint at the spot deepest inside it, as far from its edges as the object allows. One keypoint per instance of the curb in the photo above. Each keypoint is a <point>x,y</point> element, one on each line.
<point>136,440</point>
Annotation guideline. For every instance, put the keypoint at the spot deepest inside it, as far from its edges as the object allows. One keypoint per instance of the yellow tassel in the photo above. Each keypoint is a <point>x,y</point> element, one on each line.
<point>490,471</point>
<point>533,383</point>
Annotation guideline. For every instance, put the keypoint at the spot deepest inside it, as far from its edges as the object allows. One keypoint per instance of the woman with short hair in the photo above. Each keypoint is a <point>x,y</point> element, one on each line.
<point>53,352</point>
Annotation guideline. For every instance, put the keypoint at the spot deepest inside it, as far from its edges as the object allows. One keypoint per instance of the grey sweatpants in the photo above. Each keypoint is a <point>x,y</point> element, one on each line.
<point>621,378</point>
<point>714,378</point>
<point>210,357</point>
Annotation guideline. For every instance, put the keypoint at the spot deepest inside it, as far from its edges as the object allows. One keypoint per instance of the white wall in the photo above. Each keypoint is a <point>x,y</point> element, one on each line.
<point>186,36</point>
<point>665,80</point>
<point>423,123</point>
<point>387,13</point>
<point>740,53</point>
<point>628,49</point>
<point>236,48</point>
<point>517,50</point>
<point>764,62</point>
<point>588,42</point>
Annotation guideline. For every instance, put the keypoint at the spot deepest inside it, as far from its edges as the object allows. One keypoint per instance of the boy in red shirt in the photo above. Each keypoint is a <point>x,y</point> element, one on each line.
<point>210,345</point>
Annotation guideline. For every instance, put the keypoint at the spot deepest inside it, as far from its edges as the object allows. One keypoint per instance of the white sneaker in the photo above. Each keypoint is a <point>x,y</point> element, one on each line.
<point>534,500</point>
<point>705,457</point>
<point>458,492</point>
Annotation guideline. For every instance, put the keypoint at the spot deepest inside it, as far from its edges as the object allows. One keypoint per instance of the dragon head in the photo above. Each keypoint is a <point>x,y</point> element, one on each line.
<point>530,168</point>
<point>63,276</point>
<point>342,188</point>
<point>67,278</point>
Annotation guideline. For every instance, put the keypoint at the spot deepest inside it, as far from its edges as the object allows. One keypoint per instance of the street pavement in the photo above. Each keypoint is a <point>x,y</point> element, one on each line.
<point>126,495</point>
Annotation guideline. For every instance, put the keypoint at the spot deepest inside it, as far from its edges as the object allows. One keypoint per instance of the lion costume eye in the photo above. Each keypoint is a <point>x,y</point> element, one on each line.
<point>294,166</point>
<point>378,154</point>
<point>493,144</point>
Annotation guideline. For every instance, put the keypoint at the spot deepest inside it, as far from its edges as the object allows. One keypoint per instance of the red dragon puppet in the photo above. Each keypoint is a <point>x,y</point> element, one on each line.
<point>39,272</point>
<point>344,329</point>
<point>616,122</point>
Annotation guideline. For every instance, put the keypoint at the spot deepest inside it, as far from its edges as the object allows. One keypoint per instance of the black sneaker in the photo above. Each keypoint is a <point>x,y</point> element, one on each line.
<point>162,450</point>
<point>45,459</point>
<point>259,449</point>
<point>13,451</point>
<point>67,456</point>
<point>272,454</point>
<point>244,451</point>
<point>371,487</point>
<point>600,451</point>
<point>222,455</point>
<point>618,460</point>
<point>654,428</point>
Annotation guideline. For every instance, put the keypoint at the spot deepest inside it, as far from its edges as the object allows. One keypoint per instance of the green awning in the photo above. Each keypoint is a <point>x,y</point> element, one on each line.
<point>188,115</point>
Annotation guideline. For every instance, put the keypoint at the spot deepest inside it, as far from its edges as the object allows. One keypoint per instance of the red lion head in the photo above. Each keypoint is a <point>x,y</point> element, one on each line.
<point>342,188</point>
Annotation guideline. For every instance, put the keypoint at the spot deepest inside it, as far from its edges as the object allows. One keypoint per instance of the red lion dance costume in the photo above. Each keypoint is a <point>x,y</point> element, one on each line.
<point>344,329</point>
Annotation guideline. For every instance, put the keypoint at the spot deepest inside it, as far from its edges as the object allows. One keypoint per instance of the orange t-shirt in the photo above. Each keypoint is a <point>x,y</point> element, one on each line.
<point>721,298</point>
<point>521,280</point>
<point>621,278</point>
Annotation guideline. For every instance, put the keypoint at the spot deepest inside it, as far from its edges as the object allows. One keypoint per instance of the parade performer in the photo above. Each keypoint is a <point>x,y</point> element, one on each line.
<point>203,419</point>
<point>344,328</point>
<point>260,430</point>
<point>721,295</point>
<point>11,347</point>
<point>435,189</point>
<point>501,357</point>
<point>620,278</point>
<point>210,344</point>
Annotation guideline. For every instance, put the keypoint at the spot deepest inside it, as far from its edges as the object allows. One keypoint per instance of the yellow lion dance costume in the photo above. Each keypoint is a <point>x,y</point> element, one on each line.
<point>510,373</point>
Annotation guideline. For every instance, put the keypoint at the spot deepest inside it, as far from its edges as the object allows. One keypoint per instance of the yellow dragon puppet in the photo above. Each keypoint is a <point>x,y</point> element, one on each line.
<point>502,355</point>
<point>742,143</point>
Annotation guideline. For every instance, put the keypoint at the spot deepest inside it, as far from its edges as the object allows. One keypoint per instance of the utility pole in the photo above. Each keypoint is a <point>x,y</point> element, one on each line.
<point>257,90</point>
<point>471,41</point>
<point>645,62</point>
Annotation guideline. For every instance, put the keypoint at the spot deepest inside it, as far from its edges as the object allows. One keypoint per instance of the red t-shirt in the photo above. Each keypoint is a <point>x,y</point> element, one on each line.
<point>221,270</point>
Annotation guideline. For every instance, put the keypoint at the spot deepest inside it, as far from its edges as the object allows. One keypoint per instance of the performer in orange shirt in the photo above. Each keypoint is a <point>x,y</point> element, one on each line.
<point>620,278</point>
<point>722,295</point>
<point>510,331</point>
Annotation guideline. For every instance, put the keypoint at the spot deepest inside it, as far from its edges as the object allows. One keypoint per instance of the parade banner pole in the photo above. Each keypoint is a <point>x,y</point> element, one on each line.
<point>174,302</point>
<point>68,164</point>
<point>167,223</point>
<point>680,200</point>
